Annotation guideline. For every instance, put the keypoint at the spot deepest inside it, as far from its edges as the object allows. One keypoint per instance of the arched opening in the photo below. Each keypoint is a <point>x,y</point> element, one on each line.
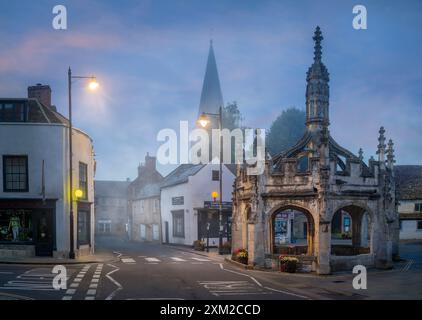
<point>350,231</point>
<point>292,231</point>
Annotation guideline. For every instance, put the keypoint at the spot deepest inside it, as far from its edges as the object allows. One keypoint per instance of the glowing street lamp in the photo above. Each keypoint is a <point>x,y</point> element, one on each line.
<point>214,195</point>
<point>92,85</point>
<point>204,121</point>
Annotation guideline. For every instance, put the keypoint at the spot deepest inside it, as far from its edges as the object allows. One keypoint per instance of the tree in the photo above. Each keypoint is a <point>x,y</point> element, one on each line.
<point>286,130</point>
<point>231,116</point>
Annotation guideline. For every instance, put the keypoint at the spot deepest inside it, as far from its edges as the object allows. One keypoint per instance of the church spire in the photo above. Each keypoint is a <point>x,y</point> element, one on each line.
<point>211,96</point>
<point>317,89</point>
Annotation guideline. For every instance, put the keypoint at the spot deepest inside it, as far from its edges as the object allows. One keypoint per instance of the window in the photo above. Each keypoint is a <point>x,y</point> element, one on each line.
<point>215,175</point>
<point>15,173</point>
<point>16,225</point>
<point>178,223</point>
<point>156,205</point>
<point>302,164</point>
<point>401,225</point>
<point>346,224</point>
<point>83,179</point>
<point>419,227</point>
<point>418,207</point>
<point>104,226</point>
<point>83,227</point>
<point>13,112</point>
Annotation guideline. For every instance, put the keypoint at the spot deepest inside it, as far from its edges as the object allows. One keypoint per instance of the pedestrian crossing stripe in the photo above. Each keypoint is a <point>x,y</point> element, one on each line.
<point>152,260</point>
<point>128,260</point>
<point>201,259</point>
<point>178,259</point>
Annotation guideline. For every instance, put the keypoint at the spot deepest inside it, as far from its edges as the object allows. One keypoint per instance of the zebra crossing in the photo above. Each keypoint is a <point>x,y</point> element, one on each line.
<point>164,259</point>
<point>37,279</point>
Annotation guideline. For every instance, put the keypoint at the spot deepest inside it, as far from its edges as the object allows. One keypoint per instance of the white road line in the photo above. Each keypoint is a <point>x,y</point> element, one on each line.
<point>201,259</point>
<point>91,292</point>
<point>128,260</point>
<point>70,291</point>
<point>152,260</point>
<point>93,286</point>
<point>74,285</point>
<point>89,298</point>
<point>257,282</point>
<point>178,259</point>
<point>119,286</point>
<point>6,272</point>
<point>67,298</point>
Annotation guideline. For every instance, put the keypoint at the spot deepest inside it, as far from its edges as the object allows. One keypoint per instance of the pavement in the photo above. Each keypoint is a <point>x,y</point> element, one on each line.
<point>102,257</point>
<point>147,271</point>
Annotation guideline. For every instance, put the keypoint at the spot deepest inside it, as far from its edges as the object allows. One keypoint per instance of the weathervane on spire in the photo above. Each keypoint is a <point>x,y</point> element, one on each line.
<point>318,38</point>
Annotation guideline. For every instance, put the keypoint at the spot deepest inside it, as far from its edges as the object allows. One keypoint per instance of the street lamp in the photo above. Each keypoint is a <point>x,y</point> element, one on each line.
<point>204,122</point>
<point>92,85</point>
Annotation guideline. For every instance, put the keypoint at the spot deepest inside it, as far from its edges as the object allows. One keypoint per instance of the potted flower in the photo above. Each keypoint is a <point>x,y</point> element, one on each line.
<point>241,255</point>
<point>288,264</point>
<point>198,245</point>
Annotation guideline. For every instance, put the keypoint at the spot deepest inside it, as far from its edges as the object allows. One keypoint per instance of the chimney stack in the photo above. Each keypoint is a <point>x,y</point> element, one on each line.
<point>42,93</point>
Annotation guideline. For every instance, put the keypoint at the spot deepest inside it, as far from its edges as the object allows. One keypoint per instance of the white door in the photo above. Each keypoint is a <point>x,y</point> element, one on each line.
<point>155,235</point>
<point>142,231</point>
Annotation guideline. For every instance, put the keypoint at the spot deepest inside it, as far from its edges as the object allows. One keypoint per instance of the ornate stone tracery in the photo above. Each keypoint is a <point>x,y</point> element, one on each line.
<point>331,180</point>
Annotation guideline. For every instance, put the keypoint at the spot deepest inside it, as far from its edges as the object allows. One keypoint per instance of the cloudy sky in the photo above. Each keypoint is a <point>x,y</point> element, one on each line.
<point>150,57</point>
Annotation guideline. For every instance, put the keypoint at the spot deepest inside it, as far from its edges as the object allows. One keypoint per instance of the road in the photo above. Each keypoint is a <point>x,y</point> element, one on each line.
<point>144,271</point>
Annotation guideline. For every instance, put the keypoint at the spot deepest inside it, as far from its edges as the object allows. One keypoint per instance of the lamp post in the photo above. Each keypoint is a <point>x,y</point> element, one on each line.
<point>204,121</point>
<point>93,84</point>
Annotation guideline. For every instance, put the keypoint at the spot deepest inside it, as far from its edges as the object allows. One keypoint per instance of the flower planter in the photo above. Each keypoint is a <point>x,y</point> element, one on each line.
<point>242,260</point>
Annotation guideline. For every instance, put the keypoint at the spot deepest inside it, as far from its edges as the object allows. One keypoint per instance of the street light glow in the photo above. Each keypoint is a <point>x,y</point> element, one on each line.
<point>93,84</point>
<point>214,195</point>
<point>203,120</point>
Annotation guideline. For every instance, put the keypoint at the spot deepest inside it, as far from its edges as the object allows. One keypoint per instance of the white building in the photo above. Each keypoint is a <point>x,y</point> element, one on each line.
<point>187,205</point>
<point>409,195</point>
<point>34,196</point>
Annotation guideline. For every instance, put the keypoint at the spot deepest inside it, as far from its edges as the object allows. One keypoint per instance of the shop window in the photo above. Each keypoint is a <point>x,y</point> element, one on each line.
<point>419,225</point>
<point>178,223</point>
<point>83,227</point>
<point>16,226</point>
<point>15,173</point>
<point>83,179</point>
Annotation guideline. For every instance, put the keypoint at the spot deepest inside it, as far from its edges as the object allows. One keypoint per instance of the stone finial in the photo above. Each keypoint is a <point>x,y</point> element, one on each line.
<point>381,146</point>
<point>360,153</point>
<point>317,38</point>
<point>371,159</point>
<point>390,154</point>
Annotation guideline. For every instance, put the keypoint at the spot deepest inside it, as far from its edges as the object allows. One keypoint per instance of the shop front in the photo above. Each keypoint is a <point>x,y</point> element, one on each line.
<point>27,227</point>
<point>208,222</point>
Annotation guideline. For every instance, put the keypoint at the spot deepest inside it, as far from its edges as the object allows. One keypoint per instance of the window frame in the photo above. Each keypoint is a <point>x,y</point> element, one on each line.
<point>5,189</point>
<point>88,226</point>
<point>215,175</point>
<point>418,207</point>
<point>83,188</point>
<point>23,115</point>
<point>419,225</point>
<point>178,214</point>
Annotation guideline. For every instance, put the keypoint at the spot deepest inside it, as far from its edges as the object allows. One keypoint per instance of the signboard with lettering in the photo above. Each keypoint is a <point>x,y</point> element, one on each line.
<point>177,201</point>
<point>227,205</point>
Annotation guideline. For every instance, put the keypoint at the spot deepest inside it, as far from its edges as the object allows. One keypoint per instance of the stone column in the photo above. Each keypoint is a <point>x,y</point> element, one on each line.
<point>324,247</point>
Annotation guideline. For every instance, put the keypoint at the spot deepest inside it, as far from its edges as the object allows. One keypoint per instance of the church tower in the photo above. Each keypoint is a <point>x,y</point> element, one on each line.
<point>211,96</point>
<point>317,89</point>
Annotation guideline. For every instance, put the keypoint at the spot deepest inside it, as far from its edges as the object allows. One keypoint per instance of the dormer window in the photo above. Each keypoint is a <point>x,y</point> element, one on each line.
<point>302,164</point>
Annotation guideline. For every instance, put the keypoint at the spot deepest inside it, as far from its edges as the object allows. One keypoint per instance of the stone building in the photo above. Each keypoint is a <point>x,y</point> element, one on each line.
<point>409,196</point>
<point>144,202</point>
<point>318,179</point>
<point>111,199</point>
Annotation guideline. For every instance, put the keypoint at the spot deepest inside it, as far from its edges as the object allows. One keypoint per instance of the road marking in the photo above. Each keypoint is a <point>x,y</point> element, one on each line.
<point>119,286</point>
<point>6,272</point>
<point>201,259</point>
<point>91,292</point>
<point>75,283</point>
<point>178,259</point>
<point>152,260</point>
<point>67,298</point>
<point>70,291</point>
<point>258,283</point>
<point>407,266</point>
<point>221,288</point>
<point>127,260</point>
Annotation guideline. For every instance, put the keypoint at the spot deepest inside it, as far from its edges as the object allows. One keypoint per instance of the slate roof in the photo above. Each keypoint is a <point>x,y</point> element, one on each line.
<point>37,112</point>
<point>181,174</point>
<point>148,191</point>
<point>111,189</point>
<point>408,182</point>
